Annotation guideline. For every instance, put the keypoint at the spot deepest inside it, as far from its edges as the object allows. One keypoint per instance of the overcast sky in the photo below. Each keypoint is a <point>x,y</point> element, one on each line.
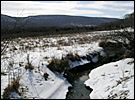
<point>113,9</point>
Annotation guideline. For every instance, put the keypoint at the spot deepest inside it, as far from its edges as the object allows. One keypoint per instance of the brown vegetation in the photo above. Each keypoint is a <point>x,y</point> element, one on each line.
<point>102,44</point>
<point>3,73</point>
<point>46,76</point>
<point>129,54</point>
<point>29,66</point>
<point>13,87</point>
<point>59,65</point>
<point>73,57</point>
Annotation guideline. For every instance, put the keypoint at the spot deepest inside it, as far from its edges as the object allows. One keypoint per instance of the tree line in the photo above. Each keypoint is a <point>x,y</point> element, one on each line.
<point>128,21</point>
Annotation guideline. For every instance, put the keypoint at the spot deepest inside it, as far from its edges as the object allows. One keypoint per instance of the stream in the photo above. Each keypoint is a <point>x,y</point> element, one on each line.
<point>79,91</point>
<point>78,75</point>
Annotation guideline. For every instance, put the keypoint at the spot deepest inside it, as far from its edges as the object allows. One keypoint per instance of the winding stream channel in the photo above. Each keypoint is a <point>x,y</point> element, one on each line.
<point>79,91</point>
<point>77,76</point>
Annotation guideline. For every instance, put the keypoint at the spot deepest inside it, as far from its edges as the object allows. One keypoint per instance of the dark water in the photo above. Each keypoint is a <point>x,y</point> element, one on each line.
<point>78,75</point>
<point>79,90</point>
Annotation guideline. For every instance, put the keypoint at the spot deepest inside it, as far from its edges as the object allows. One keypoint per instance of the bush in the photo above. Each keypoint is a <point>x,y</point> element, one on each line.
<point>3,73</point>
<point>29,66</point>
<point>59,65</point>
<point>73,57</point>
<point>88,57</point>
<point>129,54</point>
<point>102,44</point>
<point>13,87</point>
<point>109,44</point>
<point>112,44</point>
<point>46,76</point>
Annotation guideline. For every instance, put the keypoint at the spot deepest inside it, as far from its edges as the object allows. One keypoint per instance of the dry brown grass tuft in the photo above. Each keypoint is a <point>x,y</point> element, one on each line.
<point>46,76</point>
<point>59,65</point>
<point>13,87</point>
<point>3,73</point>
<point>73,57</point>
<point>109,44</point>
<point>29,66</point>
<point>63,43</point>
<point>88,57</point>
<point>129,54</point>
<point>102,44</point>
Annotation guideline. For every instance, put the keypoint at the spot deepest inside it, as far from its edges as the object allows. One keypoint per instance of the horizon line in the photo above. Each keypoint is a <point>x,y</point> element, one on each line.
<point>59,15</point>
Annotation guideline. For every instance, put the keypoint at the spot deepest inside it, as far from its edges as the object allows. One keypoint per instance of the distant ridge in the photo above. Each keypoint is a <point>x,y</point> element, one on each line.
<point>56,20</point>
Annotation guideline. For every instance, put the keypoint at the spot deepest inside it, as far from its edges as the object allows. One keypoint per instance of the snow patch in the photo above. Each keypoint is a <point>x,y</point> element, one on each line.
<point>112,80</point>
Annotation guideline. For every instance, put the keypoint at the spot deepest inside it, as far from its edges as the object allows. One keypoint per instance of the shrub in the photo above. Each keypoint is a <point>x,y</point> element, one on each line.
<point>109,44</point>
<point>88,57</point>
<point>29,66</point>
<point>112,44</point>
<point>14,48</point>
<point>13,87</point>
<point>129,54</point>
<point>46,76</point>
<point>59,65</point>
<point>73,57</point>
<point>3,73</point>
<point>102,44</point>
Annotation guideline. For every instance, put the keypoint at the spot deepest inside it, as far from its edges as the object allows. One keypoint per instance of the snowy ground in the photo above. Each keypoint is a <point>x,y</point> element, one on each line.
<point>41,50</point>
<point>113,80</point>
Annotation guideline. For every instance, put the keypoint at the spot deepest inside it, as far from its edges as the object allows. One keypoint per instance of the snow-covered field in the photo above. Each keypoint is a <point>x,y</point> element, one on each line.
<point>113,80</point>
<point>41,50</point>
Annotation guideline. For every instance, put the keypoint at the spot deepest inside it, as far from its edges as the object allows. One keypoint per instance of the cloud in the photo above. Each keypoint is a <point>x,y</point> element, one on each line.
<point>109,16</point>
<point>120,3</point>
<point>109,5</point>
<point>30,7</point>
<point>14,8</point>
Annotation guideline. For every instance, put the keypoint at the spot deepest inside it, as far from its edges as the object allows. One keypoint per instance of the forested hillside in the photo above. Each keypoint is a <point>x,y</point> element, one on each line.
<point>71,24</point>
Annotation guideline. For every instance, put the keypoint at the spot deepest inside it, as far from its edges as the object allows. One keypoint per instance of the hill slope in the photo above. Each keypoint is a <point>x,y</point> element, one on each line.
<point>56,20</point>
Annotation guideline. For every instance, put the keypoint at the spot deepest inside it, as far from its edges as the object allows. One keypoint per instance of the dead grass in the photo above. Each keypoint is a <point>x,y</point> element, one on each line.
<point>27,47</point>
<point>88,57</point>
<point>59,48</point>
<point>109,44</point>
<point>131,62</point>
<point>46,57</point>
<point>124,93</point>
<point>129,54</point>
<point>57,65</point>
<point>29,66</point>
<point>63,43</point>
<point>3,73</point>
<point>102,44</point>
<point>73,57</point>
<point>46,76</point>
<point>13,87</point>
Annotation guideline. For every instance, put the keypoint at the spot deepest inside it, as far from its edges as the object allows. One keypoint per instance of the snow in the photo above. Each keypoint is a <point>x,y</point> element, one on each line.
<point>95,59</point>
<point>33,82</point>
<point>56,86</point>
<point>78,63</point>
<point>104,80</point>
